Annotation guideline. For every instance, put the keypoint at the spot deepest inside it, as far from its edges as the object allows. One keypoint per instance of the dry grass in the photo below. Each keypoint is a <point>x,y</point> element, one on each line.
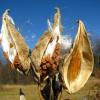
<point>11,92</point>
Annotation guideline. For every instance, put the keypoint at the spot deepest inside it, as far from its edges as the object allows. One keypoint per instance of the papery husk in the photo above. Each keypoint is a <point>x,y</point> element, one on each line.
<point>39,50</point>
<point>47,42</point>
<point>51,58</point>
<point>78,65</point>
<point>19,44</point>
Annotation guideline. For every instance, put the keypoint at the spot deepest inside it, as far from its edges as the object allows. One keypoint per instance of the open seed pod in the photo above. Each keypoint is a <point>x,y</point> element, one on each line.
<point>39,50</point>
<point>47,51</point>
<point>78,65</point>
<point>14,47</point>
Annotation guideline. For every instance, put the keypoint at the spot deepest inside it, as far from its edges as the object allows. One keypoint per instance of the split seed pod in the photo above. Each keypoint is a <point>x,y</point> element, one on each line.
<point>13,44</point>
<point>46,53</point>
<point>78,65</point>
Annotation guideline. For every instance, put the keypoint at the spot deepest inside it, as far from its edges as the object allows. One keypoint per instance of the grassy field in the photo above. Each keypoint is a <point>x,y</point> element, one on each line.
<point>11,92</point>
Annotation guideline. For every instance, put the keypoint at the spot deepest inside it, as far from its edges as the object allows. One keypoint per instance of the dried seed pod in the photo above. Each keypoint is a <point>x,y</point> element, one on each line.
<point>15,43</point>
<point>78,65</point>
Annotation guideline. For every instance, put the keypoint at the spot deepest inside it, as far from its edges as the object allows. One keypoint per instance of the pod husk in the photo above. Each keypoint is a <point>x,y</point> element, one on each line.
<point>19,44</point>
<point>78,65</point>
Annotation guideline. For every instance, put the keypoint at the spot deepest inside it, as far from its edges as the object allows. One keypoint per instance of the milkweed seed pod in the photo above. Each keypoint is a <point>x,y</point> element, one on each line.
<point>78,65</point>
<point>75,67</point>
<point>13,44</point>
<point>46,54</point>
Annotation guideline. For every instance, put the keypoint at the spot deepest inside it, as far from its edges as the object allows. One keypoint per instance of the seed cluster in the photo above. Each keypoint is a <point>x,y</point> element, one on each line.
<point>50,64</point>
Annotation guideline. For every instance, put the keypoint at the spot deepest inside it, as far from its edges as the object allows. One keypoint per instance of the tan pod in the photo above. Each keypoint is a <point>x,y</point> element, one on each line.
<point>78,65</point>
<point>22,50</point>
